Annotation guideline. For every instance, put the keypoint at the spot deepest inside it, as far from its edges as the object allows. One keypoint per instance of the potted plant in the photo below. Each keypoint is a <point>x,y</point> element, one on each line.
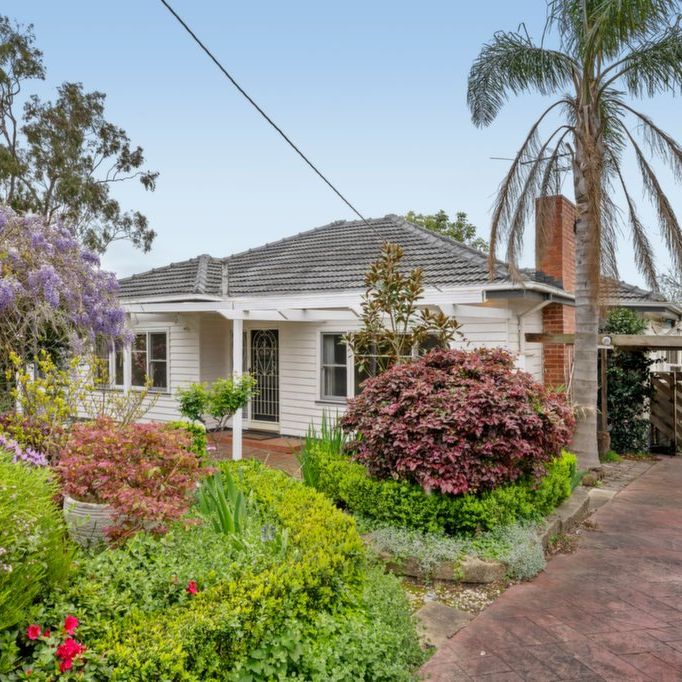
<point>119,479</point>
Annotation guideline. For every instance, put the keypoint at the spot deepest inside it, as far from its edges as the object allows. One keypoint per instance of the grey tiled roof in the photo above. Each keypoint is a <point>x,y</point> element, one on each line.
<point>332,257</point>
<point>629,293</point>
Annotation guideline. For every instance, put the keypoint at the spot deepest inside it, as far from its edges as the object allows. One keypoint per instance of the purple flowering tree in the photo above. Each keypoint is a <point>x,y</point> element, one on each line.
<point>52,291</point>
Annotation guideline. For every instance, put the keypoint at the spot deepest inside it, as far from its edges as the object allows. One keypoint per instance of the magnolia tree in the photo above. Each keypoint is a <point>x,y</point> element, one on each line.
<point>53,293</point>
<point>395,328</point>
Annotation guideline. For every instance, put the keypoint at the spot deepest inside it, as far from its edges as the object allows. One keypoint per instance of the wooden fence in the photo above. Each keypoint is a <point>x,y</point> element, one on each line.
<point>666,411</point>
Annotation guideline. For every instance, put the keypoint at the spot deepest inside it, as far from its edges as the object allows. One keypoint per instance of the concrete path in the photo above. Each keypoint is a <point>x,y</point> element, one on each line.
<point>610,611</point>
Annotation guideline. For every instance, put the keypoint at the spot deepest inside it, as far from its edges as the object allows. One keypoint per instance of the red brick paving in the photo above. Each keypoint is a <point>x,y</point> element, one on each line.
<point>278,452</point>
<point>610,611</point>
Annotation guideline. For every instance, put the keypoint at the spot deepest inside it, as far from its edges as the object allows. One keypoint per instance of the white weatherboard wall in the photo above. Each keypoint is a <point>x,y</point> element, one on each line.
<point>300,403</point>
<point>183,355</point>
<point>200,350</point>
<point>215,347</point>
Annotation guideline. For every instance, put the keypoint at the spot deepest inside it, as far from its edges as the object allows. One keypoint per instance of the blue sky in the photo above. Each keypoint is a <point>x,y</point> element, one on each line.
<point>373,92</point>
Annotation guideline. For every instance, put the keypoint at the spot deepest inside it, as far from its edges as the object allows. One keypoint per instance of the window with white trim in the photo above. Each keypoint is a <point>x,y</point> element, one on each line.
<point>149,358</point>
<point>334,368</point>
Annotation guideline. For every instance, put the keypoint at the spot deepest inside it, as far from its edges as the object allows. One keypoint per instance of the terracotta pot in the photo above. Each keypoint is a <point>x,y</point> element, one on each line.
<point>87,521</point>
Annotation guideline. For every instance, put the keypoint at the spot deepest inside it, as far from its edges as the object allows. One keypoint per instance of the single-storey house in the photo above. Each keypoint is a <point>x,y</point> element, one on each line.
<point>280,311</point>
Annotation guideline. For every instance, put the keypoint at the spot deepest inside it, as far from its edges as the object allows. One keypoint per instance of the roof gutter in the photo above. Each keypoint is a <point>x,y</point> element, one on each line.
<point>555,294</point>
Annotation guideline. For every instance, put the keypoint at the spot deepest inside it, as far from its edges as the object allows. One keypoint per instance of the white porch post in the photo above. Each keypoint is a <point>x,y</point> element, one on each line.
<point>127,367</point>
<point>237,369</point>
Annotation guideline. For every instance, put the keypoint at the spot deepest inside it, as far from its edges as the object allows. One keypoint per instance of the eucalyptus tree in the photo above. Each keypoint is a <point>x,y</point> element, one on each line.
<point>61,158</point>
<point>594,58</point>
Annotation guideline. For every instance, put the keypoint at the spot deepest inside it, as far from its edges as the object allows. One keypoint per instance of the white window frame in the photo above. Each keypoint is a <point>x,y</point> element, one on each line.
<point>128,362</point>
<point>338,400</point>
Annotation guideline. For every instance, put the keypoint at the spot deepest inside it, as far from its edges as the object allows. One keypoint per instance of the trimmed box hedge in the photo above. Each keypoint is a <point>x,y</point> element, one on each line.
<point>290,614</point>
<point>401,503</point>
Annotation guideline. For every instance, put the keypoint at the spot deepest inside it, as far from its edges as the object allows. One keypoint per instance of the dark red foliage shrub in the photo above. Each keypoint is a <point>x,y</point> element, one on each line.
<point>146,472</point>
<point>457,422</point>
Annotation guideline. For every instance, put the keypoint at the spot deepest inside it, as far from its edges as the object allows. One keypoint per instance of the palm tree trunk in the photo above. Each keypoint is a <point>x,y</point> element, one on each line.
<point>587,270</point>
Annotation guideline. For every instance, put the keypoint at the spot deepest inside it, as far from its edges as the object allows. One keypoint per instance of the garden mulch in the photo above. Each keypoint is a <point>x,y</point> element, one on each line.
<point>612,610</point>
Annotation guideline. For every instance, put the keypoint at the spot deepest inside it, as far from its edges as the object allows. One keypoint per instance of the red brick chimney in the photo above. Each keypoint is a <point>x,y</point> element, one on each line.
<point>555,264</point>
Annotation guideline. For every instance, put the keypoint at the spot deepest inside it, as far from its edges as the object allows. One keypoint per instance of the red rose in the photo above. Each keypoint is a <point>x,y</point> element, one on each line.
<point>192,587</point>
<point>33,631</point>
<point>70,624</point>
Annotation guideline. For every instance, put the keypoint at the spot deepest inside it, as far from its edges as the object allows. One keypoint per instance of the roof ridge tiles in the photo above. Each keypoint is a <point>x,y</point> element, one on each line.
<point>303,233</point>
<point>201,277</point>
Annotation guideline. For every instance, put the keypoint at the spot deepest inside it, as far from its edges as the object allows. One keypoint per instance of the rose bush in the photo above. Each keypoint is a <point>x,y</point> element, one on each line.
<point>145,472</point>
<point>457,422</point>
<point>49,654</point>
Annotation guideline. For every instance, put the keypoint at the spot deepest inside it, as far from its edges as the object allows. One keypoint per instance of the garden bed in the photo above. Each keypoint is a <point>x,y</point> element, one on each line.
<point>291,596</point>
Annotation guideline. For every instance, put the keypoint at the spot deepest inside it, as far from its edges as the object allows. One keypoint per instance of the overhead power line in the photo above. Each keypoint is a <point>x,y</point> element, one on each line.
<point>288,140</point>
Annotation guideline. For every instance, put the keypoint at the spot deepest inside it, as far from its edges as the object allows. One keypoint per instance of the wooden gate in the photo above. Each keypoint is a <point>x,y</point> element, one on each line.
<point>666,411</point>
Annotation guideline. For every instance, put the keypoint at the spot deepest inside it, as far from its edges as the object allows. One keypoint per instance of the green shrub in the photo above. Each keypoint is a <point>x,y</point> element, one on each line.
<point>197,432</point>
<point>296,603</point>
<point>219,400</point>
<point>628,388</point>
<point>148,575</point>
<point>405,504</point>
<point>375,641</point>
<point>34,551</point>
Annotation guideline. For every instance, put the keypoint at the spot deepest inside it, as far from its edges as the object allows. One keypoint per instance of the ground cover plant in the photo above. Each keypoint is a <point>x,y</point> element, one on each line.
<point>516,545</point>
<point>457,422</point>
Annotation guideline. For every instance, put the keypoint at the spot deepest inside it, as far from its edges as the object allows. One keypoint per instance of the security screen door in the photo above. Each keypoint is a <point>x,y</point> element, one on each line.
<point>264,367</point>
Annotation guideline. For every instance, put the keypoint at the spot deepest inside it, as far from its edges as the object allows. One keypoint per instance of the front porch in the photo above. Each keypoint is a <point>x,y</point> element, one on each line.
<point>278,452</point>
<point>294,350</point>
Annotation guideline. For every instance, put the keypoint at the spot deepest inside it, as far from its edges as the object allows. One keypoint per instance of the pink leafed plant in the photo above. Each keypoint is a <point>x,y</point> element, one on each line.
<point>145,472</point>
<point>457,422</point>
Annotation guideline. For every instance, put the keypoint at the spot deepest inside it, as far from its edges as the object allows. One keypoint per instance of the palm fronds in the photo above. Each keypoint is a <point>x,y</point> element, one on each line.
<point>511,64</point>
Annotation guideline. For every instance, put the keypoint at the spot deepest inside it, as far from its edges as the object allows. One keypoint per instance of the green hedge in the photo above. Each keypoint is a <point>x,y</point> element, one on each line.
<point>285,615</point>
<point>405,504</point>
<point>34,550</point>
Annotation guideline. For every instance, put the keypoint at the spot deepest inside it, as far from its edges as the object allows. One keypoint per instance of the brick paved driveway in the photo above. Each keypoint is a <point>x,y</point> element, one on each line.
<point>610,611</point>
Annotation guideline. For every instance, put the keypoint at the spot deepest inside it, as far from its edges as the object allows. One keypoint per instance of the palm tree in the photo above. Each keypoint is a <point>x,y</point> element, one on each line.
<point>607,52</point>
